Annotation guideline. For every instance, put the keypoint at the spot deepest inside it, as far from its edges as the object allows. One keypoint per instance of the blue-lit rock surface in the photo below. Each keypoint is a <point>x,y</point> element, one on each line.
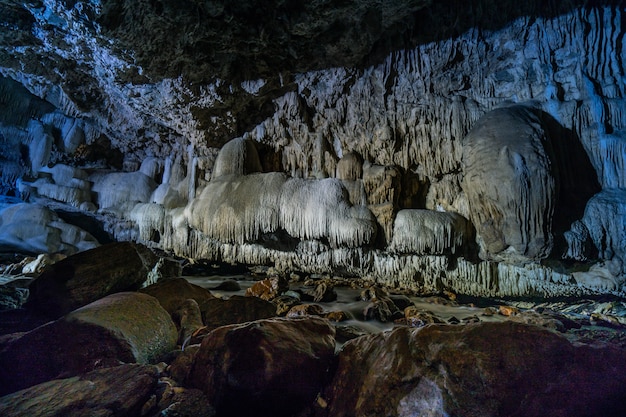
<point>294,140</point>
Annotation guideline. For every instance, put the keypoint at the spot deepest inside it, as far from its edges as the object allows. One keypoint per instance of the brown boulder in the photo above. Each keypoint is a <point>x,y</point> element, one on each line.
<point>183,402</point>
<point>189,320</point>
<point>123,327</point>
<point>476,370</point>
<point>90,275</point>
<point>305,310</point>
<point>322,292</point>
<point>172,293</point>
<point>382,309</point>
<point>118,391</point>
<point>235,310</point>
<point>268,288</point>
<point>417,317</point>
<point>271,367</point>
<point>181,362</point>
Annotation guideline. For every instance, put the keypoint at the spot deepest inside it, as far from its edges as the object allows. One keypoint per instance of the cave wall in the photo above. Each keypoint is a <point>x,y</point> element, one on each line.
<point>175,130</point>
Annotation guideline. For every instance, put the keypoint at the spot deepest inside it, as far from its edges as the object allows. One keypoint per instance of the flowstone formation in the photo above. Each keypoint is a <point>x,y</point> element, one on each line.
<point>486,157</point>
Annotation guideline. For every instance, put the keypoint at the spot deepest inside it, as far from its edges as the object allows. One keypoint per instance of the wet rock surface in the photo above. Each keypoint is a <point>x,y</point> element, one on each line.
<point>232,355</point>
<point>488,369</point>
<point>236,310</point>
<point>118,391</point>
<point>172,293</point>
<point>88,276</point>
<point>120,328</point>
<point>272,367</point>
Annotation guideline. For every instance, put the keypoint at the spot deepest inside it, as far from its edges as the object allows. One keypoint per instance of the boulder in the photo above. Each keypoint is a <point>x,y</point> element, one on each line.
<point>268,289</point>
<point>382,309</point>
<point>123,327</point>
<point>484,369</point>
<point>180,363</point>
<point>322,292</point>
<point>416,317</point>
<point>305,310</point>
<point>509,185</point>
<point>119,391</point>
<point>172,293</point>
<point>271,367</point>
<point>189,320</point>
<point>12,297</point>
<point>88,276</point>
<point>183,402</point>
<point>235,310</point>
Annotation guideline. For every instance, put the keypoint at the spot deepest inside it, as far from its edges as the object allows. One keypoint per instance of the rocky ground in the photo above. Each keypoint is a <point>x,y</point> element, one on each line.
<point>117,331</point>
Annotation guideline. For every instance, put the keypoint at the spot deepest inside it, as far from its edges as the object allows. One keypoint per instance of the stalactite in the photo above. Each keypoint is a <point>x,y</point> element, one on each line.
<point>429,232</point>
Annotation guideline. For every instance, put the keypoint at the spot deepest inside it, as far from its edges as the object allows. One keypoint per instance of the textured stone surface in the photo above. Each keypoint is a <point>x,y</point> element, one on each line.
<point>172,293</point>
<point>123,327</point>
<point>489,369</point>
<point>118,391</point>
<point>271,367</point>
<point>88,276</point>
<point>235,310</point>
<point>33,229</point>
<point>509,184</point>
<point>120,90</point>
<point>429,232</point>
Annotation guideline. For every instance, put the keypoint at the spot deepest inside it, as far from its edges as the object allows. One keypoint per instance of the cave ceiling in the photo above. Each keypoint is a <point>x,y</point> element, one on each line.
<point>83,49</point>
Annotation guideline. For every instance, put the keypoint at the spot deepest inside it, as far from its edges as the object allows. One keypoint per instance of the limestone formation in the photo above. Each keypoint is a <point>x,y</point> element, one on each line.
<point>341,106</point>
<point>605,219</point>
<point>320,209</point>
<point>116,189</point>
<point>510,186</point>
<point>35,229</point>
<point>428,232</point>
<point>237,157</point>
<point>242,208</point>
<point>238,209</point>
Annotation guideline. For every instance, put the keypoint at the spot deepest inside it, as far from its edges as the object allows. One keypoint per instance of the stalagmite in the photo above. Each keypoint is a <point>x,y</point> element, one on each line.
<point>605,219</point>
<point>509,184</point>
<point>238,157</point>
<point>150,219</point>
